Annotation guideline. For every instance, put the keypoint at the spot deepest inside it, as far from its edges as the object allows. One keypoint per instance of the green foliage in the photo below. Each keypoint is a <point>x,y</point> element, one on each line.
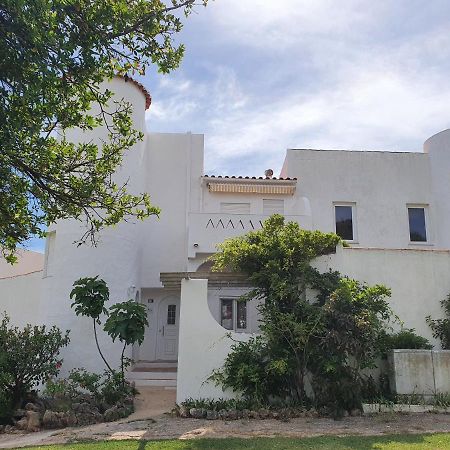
<point>323,326</point>
<point>105,389</point>
<point>404,339</point>
<point>127,322</point>
<point>441,327</point>
<point>53,57</point>
<point>252,370</point>
<point>28,356</point>
<point>90,296</point>
<point>217,405</point>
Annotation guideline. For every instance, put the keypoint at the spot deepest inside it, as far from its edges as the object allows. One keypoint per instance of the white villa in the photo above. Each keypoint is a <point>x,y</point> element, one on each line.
<point>392,208</point>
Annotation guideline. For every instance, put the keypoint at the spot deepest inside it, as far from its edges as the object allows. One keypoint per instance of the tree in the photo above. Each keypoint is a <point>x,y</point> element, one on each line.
<point>53,56</point>
<point>125,321</point>
<point>318,325</point>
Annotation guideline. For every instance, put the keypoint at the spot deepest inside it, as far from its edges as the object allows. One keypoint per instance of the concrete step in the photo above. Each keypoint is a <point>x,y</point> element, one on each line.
<point>154,373</point>
<point>170,384</point>
<point>155,364</point>
<point>146,375</point>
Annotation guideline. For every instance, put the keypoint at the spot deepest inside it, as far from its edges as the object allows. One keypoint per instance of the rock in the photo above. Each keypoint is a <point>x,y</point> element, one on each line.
<point>2,429</point>
<point>34,420</point>
<point>128,400</point>
<point>53,419</point>
<point>244,414</point>
<point>183,411</point>
<point>197,413</point>
<point>89,418</point>
<point>212,415</point>
<point>264,413</point>
<point>84,408</point>
<point>19,413</point>
<point>223,414</point>
<point>8,429</point>
<point>233,414</point>
<point>33,407</point>
<point>22,423</point>
<point>253,415</point>
<point>355,412</point>
<point>115,413</point>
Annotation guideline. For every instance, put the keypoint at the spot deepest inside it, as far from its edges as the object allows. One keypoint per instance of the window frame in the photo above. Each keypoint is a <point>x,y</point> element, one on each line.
<point>426,214</point>
<point>234,312</point>
<point>351,205</point>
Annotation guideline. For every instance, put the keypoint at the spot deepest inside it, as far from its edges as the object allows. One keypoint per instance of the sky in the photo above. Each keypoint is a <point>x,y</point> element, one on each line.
<point>261,76</point>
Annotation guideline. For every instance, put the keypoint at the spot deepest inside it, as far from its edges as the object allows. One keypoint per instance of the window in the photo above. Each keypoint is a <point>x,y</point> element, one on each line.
<point>171,314</point>
<point>273,206</point>
<point>344,222</point>
<point>235,208</point>
<point>417,224</point>
<point>233,314</point>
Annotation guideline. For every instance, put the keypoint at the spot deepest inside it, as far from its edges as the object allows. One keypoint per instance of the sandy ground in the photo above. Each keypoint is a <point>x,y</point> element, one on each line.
<point>150,422</point>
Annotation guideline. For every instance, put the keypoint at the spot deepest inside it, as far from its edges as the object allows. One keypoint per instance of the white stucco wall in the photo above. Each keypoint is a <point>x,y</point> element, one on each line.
<point>203,344</point>
<point>27,262</point>
<point>21,299</point>
<point>418,280</point>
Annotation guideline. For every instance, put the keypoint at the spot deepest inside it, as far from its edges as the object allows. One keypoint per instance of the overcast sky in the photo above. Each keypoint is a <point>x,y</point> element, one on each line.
<point>260,76</point>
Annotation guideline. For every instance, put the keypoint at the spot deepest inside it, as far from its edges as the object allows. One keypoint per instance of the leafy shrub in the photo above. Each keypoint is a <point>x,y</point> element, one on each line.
<point>320,326</point>
<point>217,405</point>
<point>441,327</point>
<point>106,388</point>
<point>250,370</point>
<point>28,356</point>
<point>405,339</point>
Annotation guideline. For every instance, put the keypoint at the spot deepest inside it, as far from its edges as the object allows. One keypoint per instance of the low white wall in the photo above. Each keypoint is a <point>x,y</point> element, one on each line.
<point>421,372</point>
<point>203,346</point>
<point>20,298</point>
<point>418,279</point>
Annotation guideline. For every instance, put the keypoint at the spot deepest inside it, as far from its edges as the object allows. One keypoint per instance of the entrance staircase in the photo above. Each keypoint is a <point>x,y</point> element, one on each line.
<point>154,373</point>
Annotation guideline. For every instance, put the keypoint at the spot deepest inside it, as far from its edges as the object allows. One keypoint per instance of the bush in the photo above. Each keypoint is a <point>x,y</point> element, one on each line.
<point>28,356</point>
<point>441,327</point>
<point>105,389</point>
<point>405,339</point>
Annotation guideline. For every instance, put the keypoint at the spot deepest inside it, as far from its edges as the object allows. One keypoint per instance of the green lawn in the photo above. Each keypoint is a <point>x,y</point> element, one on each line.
<point>391,442</point>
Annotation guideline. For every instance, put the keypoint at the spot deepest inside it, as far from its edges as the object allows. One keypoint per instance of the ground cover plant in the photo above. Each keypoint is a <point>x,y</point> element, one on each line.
<point>320,328</point>
<point>387,442</point>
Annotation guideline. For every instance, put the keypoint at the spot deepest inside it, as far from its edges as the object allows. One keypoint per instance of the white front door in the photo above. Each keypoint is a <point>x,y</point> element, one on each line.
<point>167,329</point>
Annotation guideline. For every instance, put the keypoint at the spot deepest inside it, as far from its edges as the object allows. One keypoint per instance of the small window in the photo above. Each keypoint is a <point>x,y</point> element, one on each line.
<point>171,314</point>
<point>417,225</point>
<point>344,222</point>
<point>233,314</point>
<point>235,208</point>
<point>273,206</point>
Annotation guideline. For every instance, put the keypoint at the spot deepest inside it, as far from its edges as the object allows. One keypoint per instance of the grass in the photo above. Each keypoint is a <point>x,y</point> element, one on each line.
<point>389,442</point>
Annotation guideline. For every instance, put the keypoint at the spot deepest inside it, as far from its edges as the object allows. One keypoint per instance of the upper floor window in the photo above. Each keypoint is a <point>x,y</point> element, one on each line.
<point>345,221</point>
<point>233,314</point>
<point>273,206</point>
<point>235,208</point>
<point>417,224</point>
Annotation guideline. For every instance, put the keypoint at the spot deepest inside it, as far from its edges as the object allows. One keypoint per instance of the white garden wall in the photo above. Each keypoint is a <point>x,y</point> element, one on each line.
<point>419,279</point>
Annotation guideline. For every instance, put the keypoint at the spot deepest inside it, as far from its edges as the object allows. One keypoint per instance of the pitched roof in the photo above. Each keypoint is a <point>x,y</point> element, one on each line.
<point>140,86</point>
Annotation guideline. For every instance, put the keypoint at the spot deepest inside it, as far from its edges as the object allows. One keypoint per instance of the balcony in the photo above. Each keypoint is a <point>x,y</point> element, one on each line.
<point>206,230</point>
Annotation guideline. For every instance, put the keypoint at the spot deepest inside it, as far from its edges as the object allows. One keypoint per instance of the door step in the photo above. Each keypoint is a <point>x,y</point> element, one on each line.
<point>154,374</point>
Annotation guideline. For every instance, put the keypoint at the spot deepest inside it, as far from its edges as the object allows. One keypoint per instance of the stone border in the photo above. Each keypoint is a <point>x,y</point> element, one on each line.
<point>375,408</point>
